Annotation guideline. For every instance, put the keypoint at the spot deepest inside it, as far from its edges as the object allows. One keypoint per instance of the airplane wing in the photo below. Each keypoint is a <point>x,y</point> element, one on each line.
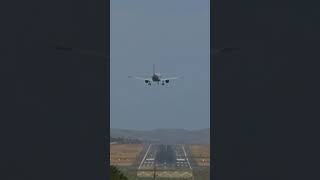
<point>81,51</point>
<point>172,78</point>
<point>140,78</point>
<point>223,50</point>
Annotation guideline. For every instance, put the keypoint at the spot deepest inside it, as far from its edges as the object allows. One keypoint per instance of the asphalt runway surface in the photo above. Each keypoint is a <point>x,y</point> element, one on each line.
<point>170,157</point>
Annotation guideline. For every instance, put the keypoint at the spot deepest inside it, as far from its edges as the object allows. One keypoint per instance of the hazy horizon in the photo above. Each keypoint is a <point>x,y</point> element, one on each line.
<point>175,36</point>
<point>132,129</point>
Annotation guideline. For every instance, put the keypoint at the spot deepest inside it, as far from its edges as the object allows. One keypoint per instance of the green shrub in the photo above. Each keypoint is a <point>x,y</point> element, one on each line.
<point>116,174</point>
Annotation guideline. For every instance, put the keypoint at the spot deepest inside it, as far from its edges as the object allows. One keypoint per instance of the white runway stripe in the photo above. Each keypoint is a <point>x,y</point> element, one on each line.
<point>144,157</point>
<point>185,154</point>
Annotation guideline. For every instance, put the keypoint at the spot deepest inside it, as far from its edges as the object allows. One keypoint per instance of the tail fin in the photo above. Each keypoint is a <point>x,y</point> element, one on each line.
<point>154,69</point>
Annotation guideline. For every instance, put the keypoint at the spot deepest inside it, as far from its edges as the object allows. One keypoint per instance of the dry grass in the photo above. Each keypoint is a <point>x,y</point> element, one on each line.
<point>203,161</point>
<point>166,174</point>
<point>124,154</point>
<point>201,154</point>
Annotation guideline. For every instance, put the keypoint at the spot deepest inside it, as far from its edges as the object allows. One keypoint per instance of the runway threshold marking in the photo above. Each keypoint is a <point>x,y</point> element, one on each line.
<point>185,154</point>
<point>144,157</point>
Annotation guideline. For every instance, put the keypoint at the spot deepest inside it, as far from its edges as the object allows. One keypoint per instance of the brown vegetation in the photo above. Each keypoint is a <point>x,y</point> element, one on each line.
<point>124,154</point>
<point>201,154</point>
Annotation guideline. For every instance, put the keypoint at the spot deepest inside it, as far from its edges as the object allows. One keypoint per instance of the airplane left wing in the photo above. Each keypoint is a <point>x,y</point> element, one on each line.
<point>223,50</point>
<point>139,78</point>
<point>82,51</point>
<point>146,80</point>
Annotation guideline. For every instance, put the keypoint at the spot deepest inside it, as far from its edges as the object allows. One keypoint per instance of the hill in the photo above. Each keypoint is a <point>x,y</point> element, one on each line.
<point>167,136</point>
<point>120,140</point>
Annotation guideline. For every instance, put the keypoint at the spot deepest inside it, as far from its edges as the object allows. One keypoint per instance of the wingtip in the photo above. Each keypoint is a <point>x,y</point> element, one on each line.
<point>224,50</point>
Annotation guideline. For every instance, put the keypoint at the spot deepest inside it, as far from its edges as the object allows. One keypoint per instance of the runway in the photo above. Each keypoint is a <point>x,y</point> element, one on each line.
<point>165,157</point>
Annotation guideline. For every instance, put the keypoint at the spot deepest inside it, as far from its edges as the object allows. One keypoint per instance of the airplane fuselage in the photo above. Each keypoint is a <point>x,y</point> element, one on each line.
<point>156,77</point>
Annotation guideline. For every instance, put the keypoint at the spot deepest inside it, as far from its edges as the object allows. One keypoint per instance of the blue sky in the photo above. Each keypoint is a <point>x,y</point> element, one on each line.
<point>174,35</point>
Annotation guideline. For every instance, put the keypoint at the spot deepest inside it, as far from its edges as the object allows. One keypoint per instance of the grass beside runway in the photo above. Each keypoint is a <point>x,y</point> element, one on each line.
<point>200,154</point>
<point>196,153</point>
<point>124,154</point>
<point>199,173</point>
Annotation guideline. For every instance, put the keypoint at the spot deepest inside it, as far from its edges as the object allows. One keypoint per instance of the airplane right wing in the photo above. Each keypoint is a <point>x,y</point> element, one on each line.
<point>167,80</point>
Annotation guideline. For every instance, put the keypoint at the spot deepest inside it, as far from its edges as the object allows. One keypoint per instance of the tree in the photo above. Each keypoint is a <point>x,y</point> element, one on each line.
<point>116,174</point>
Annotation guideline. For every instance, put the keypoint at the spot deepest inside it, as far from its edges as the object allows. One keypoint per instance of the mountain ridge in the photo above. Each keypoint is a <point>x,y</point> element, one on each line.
<point>168,136</point>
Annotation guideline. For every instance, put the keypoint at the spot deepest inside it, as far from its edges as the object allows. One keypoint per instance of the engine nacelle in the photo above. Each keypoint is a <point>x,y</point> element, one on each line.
<point>147,81</point>
<point>167,81</point>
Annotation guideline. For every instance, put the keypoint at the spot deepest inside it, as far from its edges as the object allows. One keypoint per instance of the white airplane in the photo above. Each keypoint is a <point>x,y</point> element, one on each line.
<point>156,77</point>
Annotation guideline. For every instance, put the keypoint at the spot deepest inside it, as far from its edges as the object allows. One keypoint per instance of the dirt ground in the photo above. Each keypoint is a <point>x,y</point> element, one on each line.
<point>201,154</point>
<point>124,154</point>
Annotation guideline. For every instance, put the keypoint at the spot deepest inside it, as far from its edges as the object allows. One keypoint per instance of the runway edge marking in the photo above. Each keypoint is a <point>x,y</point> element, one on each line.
<point>185,154</point>
<point>144,157</point>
